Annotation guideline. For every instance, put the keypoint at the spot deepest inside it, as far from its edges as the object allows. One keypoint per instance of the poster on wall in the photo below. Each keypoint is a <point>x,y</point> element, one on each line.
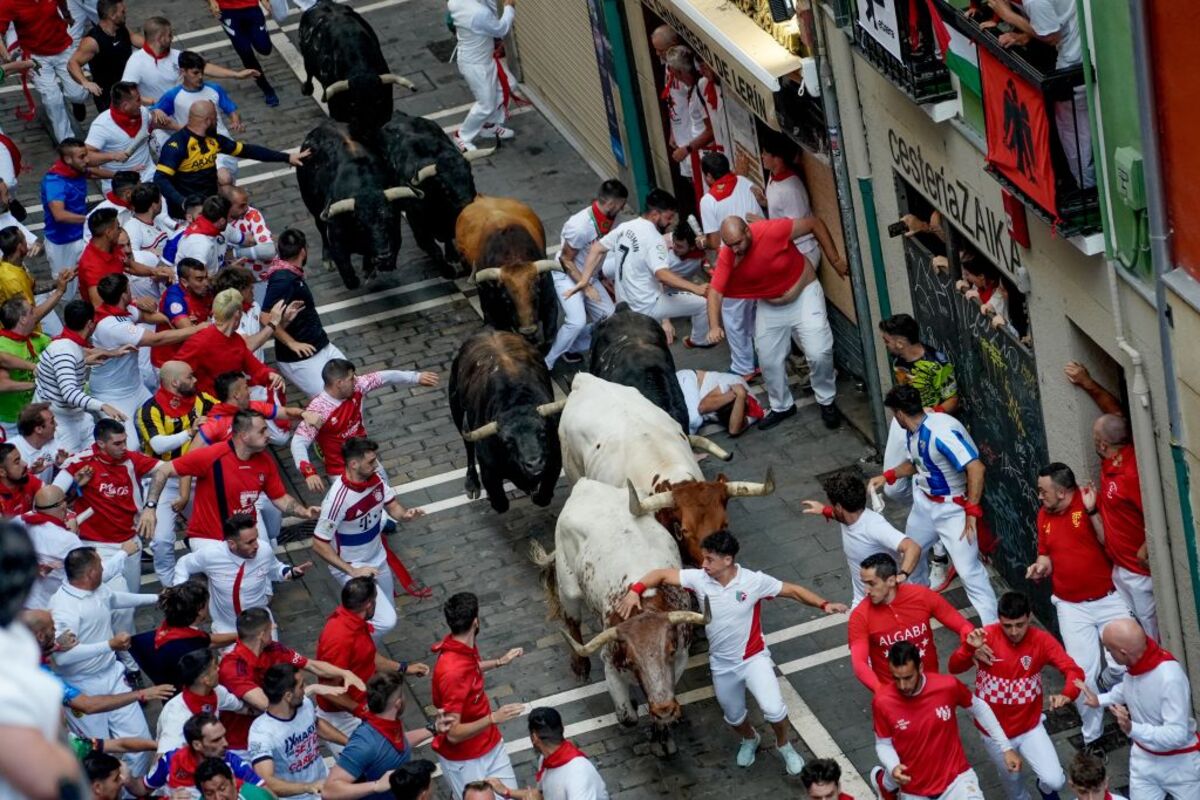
<point>745,158</point>
<point>878,19</point>
<point>1018,132</point>
<point>604,62</point>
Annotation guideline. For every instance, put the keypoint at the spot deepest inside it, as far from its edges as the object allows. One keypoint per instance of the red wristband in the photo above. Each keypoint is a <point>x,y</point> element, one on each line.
<point>637,588</point>
<point>825,606</point>
<point>827,512</point>
<point>889,475</point>
<point>973,510</point>
<point>307,469</point>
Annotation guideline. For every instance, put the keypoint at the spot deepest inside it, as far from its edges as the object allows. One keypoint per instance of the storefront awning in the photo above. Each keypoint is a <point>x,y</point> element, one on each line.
<point>747,58</point>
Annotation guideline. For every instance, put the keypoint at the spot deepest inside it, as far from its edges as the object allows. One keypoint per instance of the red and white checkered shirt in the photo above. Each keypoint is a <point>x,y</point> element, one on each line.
<point>254,232</point>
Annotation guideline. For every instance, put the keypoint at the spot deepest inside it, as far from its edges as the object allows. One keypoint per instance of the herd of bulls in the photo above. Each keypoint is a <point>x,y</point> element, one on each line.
<point>638,497</point>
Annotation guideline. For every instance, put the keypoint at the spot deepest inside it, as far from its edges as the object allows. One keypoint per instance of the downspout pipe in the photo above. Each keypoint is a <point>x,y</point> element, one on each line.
<point>1160,255</point>
<point>622,66</point>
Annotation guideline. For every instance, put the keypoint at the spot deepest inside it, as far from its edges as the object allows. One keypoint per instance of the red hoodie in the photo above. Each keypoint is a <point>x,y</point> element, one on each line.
<point>458,689</point>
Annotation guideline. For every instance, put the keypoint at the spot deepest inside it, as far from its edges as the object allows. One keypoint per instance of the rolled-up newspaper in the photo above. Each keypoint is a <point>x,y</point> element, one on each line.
<point>137,142</point>
<point>876,500</point>
<point>695,226</point>
<point>84,516</point>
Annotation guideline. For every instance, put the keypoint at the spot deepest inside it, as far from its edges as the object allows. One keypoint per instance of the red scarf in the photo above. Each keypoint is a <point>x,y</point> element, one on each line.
<point>104,311</point>
<point>603,222</point>
<point>116,201</point>
<point>131,124</point>
<point>157,58</point>
<point>723,187</point>
<point>64,170</point>
<point>985,294</point>
<point>279,265</point>
<point>1150,659</point>
<point>73,336</point>
<point>784,173</point>
<point>200,703</point>
<point>16,337</point>
<point>203,226</point>
<point>38,518</point>
<point>390,729</point>
<point>170,633</point>
<point>710,94</point>
<point>565,753</point>
<point>173,405</point>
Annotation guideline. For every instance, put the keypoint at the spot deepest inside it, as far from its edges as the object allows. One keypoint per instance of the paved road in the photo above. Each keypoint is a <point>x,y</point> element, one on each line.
<point>414,319</point>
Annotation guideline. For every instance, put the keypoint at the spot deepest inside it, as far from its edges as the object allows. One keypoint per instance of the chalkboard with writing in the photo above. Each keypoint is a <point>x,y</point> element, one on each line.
<point>999,405</point>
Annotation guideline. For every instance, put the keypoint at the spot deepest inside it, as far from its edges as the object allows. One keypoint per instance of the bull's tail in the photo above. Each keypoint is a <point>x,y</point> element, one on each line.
<point>545,562</point>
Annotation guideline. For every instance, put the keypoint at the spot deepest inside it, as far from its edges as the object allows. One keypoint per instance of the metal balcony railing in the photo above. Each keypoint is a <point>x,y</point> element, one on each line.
<point>896,38</point>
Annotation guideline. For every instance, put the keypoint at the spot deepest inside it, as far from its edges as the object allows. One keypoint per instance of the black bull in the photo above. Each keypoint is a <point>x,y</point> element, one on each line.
<point>631,349</point>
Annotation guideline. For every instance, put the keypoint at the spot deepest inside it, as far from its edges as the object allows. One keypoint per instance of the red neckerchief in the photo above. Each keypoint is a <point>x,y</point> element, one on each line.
<point>279,265</point>
<point>72,336</point>
<point>723,187</point>
<point>104,311</point>
<point>38,518</point>
<point>116,201</point>
<point>203,226</point>
<point>200,703</point>
<point>565,753</point>
<point>668,82</point>
<point>784,173</point>
<point>103,458</point>
<point>602,221</point>
<point>130,124</point>
<point>710,94</point>
<point>351,619</point>
<point>355,485</point>
<point>171,633</point>
<point>173,405</point>
<point>390,729</point>
<point>157,58</point>
<point>16,337</point>
<point>985,294</point>
<point>1150,659</point>
<point>452,645</point>
<point>63,170</point>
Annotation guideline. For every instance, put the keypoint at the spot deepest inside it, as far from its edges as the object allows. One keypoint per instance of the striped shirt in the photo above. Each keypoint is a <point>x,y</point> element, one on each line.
<point>166,436</point>
<point>60,377</point>
<point>941,449</point>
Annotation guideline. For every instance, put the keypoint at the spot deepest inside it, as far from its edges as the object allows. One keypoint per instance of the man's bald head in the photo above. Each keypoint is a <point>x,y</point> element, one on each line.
<point>735,234</point>
<point>1124,640</point>
<point>663,39</point>
<point>233,192</point>
<point>172,372</point>
<point>41,625</point>
<point>1113,429</point>
<point>202,114</point>
<point>51,500</point>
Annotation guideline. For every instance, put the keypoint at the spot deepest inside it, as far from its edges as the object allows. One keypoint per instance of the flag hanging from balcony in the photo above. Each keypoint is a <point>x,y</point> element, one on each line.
<point>1018,131</point>
<point>959,52</point>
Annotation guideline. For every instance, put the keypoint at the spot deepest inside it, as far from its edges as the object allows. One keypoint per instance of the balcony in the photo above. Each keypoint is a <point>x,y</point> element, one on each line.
<point>1037,126</point>
<point>896,37</point>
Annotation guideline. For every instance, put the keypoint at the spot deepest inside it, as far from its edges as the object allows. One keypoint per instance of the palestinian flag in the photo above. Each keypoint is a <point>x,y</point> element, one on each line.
<point>958,50</point>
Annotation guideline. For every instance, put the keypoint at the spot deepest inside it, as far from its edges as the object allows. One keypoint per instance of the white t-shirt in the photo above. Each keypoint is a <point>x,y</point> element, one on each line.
<point>107,137</point>
<point>720,122</point>
<point>177,103</point>
<point>740,203</point>
<point>577,779</point>
<point>32,454</point>
<point>146,241</point>
<point>866,536</point>
<point>30,697</point>
<point>176,711</point>
<point>735,632</point>
<point>580,232</point>
<point>208,250</point>
<point>788,199</point>
<point>117,379</point>
<point>640,251</point>
<point>352,520</point>
<point>692,116</point>
<point>154,76</point>
<point>292,744</point>
<point>477,26</point>
<point>1048,17</point>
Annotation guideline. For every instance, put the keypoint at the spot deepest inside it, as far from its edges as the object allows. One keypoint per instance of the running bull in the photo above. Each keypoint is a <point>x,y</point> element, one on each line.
<point>503,242</point>
<point>599,549</point>
<point>631,349</point>
<point>502,401</point>
<point>343,185</point>
<point>342,51</point>
<point>612,434</point>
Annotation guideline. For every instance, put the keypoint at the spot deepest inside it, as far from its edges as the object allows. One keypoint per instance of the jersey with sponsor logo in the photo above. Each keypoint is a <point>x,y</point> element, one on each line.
<point>292,745</point>
<point>226,485</point>
<point>735,632</point>
<point>924,730</point>
<point>114,492</point>
<point>352,519</point>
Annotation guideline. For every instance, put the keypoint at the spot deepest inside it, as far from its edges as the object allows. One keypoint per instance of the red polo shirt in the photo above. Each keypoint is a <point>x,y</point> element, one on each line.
<point>18,500</point>
<point>770,267</point>
<point>1082,570</point>
<point>458,689</point>
<point>226,485</point>
<point>40,29</point>
<point>346,642</point>
<point>241,671</point>
<point>1120,504</point>
<point>115,492</point>
<point>94,264</point>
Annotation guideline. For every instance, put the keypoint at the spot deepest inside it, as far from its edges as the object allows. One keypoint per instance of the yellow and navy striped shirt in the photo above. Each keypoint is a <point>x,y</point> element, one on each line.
<point>153,420</point>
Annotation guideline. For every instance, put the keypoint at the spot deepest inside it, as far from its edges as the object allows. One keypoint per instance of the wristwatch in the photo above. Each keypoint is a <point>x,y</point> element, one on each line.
<point>150,504</point>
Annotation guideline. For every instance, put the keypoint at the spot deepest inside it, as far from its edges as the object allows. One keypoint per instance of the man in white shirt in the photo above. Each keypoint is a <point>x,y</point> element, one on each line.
<point>737,654</point>
<point>728,195</point>
<point>865,532</point>
<point>478,27</point>
<point>35,440</point>
<point>83,606</point>
<point>579,232</point>
<point>285,747</point>
<point>155,66</point>
<point>643,269</point>
<point>208,236</point>
<point>786,196</point>
<point>691,128</point>
<point>239,574</point>
<point>564,772</point>
<point>121,135</point>
<point>201,693</point>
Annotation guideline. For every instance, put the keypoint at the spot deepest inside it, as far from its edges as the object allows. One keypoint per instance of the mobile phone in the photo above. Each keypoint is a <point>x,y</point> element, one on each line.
<point>897,228</point>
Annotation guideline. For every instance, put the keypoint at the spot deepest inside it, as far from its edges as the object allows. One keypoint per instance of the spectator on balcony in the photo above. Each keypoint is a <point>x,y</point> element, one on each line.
<point>1054,22</point>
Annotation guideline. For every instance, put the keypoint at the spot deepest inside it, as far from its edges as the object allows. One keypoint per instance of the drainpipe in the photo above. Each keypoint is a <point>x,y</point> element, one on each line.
<point>1160,255</point>
<point>866,187</point>
<point>622,66</point>
<point>858,281</point>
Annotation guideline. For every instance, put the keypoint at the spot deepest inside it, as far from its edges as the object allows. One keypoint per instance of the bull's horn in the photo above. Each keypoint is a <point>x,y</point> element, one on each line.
<point>425,173</point>
<point>652,504</point>
<point>338,207</point>
<point>548,265</point>
<point>335,88</point>
<point>550,409</point>
<point>484,275</point>
<point>476,154</point>
<point>691,617</point>
<point>402,193</point>
<point>705,444</point>
<point>748,489</point>
<point>599,640</point>
<point>491,429</point>
<point>398,81</point>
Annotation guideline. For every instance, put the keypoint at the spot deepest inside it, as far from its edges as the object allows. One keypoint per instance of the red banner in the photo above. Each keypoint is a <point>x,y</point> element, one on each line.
<point>1018,131</point>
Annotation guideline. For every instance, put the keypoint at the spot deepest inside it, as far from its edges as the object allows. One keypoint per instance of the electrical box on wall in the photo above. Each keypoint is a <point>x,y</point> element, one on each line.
<point>1131,180</point>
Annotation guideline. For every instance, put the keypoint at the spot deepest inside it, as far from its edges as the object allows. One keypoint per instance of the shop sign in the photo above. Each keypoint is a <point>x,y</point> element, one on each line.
<point>878,19</point>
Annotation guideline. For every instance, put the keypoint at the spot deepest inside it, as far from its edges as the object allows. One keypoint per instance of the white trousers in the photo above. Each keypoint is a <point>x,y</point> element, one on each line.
<point>1080,625</point>
<point>74,429</point>
<point>385,606</point>
<point>484,84</point>
<point>65,256</point>
<point>806,322</point>
<point>737,317</point>
<point>122,618</point>
<point>681,304</point>
<point>1137,591</point>
<point>125,721</point>
<point>51,323</point>
<point>1075,135</point>
<point>492,764</point>
<point>930,523</point>
<point>1152,777</point>
<point>53,82</point>
<point>895,452</point>
<point>756,675</point>
<point>344,721</point>
<point>579,311</point>
<point>1038,753</point>
<point>84,13</point>
<point>305,375</point>
<point>964,787</point>
<point>163,545</point>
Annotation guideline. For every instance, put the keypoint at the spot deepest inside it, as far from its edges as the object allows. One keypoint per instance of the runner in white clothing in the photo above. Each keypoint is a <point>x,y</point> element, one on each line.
<point>201,693</point>
<point>285,746</point>
<point>349,531</point>
<point>121,135</point>
<point>786,196</point>
<point>737,653</point>
<point>477,26</point>
<point>564,772</point>
<point>865,532</point>
<point>579,233</point>
<point>643,269</point>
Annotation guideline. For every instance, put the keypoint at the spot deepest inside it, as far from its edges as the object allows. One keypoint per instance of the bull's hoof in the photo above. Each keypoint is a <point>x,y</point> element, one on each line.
<point>471,489</point>
<point>542,499</point>
<point>306,88</point>
<point>351,281</point>
<point>448,271</point>
<point>499,503</point>
<point>627,717</point>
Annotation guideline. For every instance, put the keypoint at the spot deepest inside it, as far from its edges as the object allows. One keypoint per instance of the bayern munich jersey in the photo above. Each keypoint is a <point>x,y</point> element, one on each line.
<point>735,632</point>
<point>352,519</point>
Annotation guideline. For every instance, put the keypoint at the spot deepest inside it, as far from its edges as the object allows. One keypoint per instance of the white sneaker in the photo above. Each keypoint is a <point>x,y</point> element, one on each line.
<point>792,760</point>
<point>499,131</point>
<point>463,145</point>
<point>747,750</point>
